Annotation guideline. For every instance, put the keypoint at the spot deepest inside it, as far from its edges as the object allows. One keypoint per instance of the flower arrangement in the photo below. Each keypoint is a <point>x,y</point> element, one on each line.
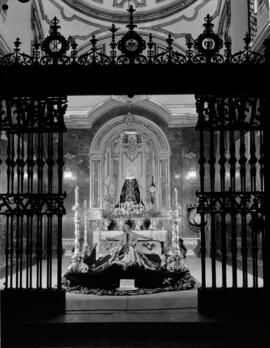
<point>127,210</point>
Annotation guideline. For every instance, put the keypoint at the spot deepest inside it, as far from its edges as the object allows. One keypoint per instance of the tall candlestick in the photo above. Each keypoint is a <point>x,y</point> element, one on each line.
<point>85,243</point>
<point>77,194</point>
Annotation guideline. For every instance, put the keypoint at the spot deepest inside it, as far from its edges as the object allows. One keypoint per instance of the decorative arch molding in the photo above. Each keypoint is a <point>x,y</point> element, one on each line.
<point>159,161</point>
<point>160,13</point>
<point>118,106</point>
<point>140,124</point>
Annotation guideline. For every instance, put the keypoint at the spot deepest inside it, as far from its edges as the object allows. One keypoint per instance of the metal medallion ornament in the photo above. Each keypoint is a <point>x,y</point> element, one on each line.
<point>55,44</point>
<point>131,44</point>
<point>208,43</point>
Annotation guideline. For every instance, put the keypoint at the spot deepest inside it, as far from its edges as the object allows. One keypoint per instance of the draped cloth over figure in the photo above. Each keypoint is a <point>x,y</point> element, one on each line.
<point>126,261</point>
<point>130,191</point>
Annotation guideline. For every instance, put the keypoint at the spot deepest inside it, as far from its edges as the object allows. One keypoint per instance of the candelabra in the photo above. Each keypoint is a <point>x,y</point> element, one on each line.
<point>86,248</point>
<point>77,219</point>
<point>77,264</point>
<point>176,219</point>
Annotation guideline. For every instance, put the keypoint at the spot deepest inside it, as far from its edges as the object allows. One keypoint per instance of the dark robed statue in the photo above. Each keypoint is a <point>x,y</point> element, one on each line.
<point>130,191</point>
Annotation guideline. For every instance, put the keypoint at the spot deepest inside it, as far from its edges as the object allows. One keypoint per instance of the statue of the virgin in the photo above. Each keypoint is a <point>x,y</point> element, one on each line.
<point>130,191</point>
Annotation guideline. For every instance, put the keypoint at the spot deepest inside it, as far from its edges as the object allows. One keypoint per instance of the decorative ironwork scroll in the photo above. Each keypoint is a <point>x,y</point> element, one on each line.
<point>132,48</point>
<point>31,198</point>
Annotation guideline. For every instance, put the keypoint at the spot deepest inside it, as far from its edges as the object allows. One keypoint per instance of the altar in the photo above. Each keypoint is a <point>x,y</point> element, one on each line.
<point>159,235</point>
<point>148,241</point>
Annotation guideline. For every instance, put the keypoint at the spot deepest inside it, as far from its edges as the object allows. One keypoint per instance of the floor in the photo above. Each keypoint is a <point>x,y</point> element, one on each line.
<point>138,321</point>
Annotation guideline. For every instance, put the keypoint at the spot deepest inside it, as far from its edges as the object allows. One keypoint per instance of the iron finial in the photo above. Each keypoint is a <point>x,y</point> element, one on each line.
<point>55,25</point>
<point>131,24</point>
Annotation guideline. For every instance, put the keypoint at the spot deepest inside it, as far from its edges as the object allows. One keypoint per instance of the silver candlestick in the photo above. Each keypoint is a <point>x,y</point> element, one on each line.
<point>176,219</point>
<point>77,219</point>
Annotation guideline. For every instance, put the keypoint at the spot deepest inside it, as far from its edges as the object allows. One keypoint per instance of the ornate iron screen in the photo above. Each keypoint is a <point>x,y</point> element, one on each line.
<point>132,49</point>
<point>31,208</point>
<point>231,197</point>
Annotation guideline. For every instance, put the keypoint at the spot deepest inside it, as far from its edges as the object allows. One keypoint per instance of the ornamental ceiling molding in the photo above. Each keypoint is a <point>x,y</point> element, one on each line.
<point>160,27</point>
<point>4,47</point>
<point>74,117</point>
<point>69,18</point>
<point>184,116</point>
<point>121,17</point>
<point>103,29</point>
<point>140,124</point>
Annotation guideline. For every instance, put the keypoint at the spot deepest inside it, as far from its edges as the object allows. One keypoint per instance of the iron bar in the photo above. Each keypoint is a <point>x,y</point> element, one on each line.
<point>253,175</point>
<point>50,164</point>
<point>244,249</point>
<point>7,252</point>
<point>254,247</point>
<point>60,162</point>
<point>202,174</point>
<point>222,162</point>
<point>232,162</point>
<point>11,250</point>
<point>253,161</point>
<point>242,162</point>
<point>12,164</point>
<point>261,160</point>
<point>212,162</point>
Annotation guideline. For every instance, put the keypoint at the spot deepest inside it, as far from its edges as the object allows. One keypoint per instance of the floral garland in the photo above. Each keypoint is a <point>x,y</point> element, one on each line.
<point>187,282</point>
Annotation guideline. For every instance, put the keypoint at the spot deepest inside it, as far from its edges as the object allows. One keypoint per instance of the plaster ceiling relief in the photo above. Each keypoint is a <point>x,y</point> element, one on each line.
<point>115,11</point>
<point>81,19</point>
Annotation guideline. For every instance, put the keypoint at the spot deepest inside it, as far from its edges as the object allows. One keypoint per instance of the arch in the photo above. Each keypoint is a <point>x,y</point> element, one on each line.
<point>117,124</point>
<point>161,166</point>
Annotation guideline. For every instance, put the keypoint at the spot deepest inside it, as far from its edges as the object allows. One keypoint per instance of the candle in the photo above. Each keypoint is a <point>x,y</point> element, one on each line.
<point>176,196</point>
<point>163,219</point>
<point>76,194</point>
<point>85,221</point>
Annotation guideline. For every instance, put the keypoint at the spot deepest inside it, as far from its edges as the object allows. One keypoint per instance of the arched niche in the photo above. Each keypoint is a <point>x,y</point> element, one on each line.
<point>124,142</point>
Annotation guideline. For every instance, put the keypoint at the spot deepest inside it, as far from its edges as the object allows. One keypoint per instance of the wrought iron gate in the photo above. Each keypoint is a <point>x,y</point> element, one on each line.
<point>232,192</point>
<point>232,167</point>
<point>32,207</point>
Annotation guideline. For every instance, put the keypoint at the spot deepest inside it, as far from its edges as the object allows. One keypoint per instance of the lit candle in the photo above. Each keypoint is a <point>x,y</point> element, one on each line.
<point>76,194</point>
<point>163,219</point>
<point>176,196</point>
<point>85,222</point>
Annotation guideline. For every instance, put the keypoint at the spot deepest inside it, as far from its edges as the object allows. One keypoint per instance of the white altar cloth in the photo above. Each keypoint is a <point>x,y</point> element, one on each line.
<point>160,235</point>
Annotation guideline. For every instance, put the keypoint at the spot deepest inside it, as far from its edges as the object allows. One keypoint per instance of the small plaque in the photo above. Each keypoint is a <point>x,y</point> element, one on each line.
<point>127,284</point>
